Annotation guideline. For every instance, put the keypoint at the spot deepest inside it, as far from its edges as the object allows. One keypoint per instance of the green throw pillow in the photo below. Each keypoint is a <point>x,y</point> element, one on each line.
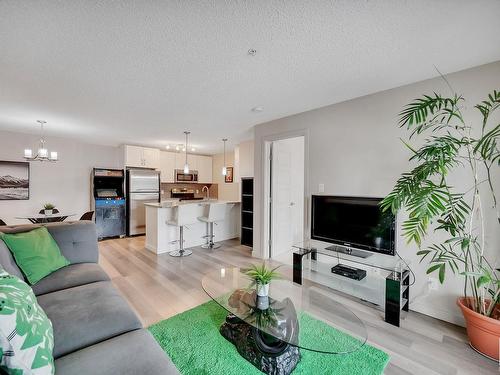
<point>36,253</point>
<point>26,334</point>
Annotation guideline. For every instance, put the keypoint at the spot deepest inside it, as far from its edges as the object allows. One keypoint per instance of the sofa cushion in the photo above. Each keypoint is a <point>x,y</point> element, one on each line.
<point>77,240</point>
<point>26,335</point>
<point>86,315</point>
<point>8,263</point>
<point>69,277</point>
<point>132,353</point>
<point>36,253</point>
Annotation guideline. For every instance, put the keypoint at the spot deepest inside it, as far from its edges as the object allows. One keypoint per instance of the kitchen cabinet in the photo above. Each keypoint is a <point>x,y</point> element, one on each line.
<point>167,166</point>
<point>245,159</point>
<point>204,168</point>
<point>170,161</point>
<point>180,160</point>
<point>142,157</point>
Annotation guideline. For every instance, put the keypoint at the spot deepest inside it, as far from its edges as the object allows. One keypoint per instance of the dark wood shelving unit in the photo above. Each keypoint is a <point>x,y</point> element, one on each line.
<point>247,211</point>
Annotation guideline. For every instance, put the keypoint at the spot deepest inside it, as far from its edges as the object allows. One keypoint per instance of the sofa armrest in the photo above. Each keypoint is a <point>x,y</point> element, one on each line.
<point>77,240</point>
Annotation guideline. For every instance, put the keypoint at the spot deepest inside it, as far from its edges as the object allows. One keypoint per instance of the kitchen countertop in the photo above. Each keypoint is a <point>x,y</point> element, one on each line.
<point>174,203</point>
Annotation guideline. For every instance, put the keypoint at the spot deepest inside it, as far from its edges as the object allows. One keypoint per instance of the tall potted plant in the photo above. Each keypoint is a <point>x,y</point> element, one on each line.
<point>451,143</point>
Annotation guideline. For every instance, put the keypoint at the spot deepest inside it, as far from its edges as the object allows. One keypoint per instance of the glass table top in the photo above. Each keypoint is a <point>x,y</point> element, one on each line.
<point>43,216</point>
<point>375,260</point>
<point>304,316</point>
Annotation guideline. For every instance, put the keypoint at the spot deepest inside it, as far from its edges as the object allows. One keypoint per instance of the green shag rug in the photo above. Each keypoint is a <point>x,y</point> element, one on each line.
<point>193,342</point>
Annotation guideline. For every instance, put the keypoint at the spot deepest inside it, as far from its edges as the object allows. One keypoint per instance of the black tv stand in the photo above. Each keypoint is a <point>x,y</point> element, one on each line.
<point>349,251</point>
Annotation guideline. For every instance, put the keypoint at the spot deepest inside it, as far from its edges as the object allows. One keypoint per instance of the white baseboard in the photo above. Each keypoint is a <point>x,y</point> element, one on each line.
<point>454,317</point>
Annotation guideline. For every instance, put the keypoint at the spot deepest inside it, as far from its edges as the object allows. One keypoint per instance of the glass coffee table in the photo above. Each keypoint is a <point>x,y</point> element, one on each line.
<point>270,331</point>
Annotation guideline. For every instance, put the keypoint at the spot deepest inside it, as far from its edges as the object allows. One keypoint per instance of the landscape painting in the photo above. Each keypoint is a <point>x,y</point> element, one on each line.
<point>14,180</point>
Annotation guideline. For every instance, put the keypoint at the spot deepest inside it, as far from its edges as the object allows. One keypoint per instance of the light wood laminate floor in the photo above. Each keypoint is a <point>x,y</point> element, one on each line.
<point>158,287</point>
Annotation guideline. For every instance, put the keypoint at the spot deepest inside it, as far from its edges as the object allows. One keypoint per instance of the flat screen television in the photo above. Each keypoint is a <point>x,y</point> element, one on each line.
<point>353,222</point>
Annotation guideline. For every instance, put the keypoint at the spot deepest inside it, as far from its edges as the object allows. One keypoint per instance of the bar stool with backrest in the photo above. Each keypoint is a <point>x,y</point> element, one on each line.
<point>184,214</point>
<point>216,212</point>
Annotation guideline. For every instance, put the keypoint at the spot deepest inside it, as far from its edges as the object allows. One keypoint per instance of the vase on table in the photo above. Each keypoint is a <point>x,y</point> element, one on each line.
<point>262,290</point>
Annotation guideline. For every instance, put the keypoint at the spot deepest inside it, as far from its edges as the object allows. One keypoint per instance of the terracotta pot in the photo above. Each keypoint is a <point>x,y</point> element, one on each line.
<point>483,331</point>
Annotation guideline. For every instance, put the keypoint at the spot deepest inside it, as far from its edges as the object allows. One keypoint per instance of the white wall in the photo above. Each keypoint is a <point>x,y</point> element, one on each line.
<point>65,183</point>
<point>226,191</point>
<point>354,149</point>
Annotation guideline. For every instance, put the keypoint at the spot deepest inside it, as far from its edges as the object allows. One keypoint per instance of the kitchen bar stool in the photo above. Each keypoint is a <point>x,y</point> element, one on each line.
<point>184,215</point>
<point>216,212</point>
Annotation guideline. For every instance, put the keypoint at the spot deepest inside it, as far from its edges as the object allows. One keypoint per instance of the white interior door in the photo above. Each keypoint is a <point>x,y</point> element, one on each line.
<point>287,193</point>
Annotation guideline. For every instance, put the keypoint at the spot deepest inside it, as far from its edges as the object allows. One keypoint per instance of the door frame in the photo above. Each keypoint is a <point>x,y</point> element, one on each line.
<point>266,167</point>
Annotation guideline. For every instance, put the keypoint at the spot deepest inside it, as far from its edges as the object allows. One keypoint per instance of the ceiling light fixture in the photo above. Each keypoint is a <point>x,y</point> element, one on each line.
<point>257,109</point>
<point>252,52</point>
<point>224,168</point>
<point>42,153</point>
<point>186,165</point>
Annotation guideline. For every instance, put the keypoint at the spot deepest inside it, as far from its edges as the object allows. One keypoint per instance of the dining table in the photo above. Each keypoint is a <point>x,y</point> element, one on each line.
<point>42,218</point>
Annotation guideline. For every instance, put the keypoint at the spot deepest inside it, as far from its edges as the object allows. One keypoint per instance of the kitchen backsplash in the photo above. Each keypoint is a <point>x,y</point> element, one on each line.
<point>167,187</point>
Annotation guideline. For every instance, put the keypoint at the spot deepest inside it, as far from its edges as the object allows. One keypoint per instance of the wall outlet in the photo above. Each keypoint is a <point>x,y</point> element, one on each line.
<point>321,188</point>
<point>433,283</point>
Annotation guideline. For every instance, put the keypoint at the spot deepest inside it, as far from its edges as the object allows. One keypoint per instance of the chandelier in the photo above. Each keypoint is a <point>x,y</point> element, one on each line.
<point>42,153</point>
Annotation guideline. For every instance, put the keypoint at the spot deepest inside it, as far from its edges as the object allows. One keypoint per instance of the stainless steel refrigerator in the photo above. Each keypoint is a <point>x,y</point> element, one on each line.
<point>143,186</point>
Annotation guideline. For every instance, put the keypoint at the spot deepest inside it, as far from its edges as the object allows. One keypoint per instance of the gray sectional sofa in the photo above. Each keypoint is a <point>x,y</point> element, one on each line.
<point>95,330</point>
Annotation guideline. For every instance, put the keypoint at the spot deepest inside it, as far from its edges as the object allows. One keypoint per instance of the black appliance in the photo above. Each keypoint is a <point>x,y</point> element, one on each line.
<point>109,202</point>
<point>353,223</point>
<point>350,272</point>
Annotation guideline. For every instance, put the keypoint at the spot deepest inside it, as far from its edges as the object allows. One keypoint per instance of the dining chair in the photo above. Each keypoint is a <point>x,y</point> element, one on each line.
<point>2,223</point>
<point>87,216</point>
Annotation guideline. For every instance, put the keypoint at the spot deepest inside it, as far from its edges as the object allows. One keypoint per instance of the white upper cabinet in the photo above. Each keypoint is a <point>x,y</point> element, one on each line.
<point>167,162</point>
<point>142,157</point>
<point>180,160</point>
<point>204,168</point>
<point>167,166</point>
<point>245,159</point>
<point>133,156</point>
<point>152,157</point>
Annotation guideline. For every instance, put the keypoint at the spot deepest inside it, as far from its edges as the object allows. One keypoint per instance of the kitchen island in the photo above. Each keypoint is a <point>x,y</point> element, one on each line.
<point>160,236</point>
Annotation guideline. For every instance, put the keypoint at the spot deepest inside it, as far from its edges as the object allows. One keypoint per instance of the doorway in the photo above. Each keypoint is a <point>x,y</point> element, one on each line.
<point>286,196</point>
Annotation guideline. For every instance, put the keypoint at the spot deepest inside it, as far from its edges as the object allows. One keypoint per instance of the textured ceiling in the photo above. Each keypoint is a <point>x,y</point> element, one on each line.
<point>141,72</point>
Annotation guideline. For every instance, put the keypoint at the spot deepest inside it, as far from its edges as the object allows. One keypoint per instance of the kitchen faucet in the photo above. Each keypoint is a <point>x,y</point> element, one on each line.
<point>208,191</point>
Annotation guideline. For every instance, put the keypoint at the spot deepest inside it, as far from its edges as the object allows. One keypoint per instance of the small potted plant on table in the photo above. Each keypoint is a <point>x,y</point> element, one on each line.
<point>261,278</point>
<point>48,209</point>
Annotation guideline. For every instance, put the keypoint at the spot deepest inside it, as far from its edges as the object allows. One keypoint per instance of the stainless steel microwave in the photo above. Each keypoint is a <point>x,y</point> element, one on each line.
<point>191,176</point>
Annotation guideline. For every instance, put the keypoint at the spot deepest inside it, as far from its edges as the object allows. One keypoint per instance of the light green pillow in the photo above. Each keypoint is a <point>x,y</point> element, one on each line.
<point>26,334</point>
<point>35,252</point>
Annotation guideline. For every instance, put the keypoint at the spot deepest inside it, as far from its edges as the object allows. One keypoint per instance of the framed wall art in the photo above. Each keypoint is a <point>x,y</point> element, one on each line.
<point>14,180</point>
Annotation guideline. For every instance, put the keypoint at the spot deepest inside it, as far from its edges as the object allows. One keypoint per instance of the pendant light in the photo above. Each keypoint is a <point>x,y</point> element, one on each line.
<point>186,165</point>
<point>42,152</point>
<point>224,167</point>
